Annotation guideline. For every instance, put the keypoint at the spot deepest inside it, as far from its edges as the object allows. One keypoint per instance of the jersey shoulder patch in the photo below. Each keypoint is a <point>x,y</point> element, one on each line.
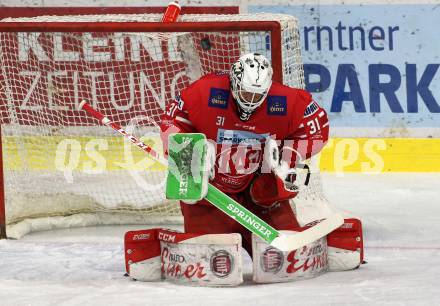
<point>312,108</point>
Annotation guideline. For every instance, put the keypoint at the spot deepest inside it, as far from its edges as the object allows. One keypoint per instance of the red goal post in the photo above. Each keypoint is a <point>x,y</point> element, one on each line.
<point>63,170</point>
<point>2,194</point>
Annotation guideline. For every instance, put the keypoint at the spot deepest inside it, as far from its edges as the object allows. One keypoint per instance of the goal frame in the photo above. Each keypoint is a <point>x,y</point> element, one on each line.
<point>2,193</point>
<point>273,27</point>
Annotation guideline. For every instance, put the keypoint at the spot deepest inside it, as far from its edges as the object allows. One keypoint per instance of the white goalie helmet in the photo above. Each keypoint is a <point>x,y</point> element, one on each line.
<point>251,78</point>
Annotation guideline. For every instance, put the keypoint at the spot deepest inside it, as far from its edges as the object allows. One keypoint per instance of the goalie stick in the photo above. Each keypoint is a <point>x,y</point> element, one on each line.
<point>284,242</point>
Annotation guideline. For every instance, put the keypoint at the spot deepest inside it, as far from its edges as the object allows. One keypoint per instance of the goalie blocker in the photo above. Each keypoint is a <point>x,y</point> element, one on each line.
<point>215,259</point>
<point>191,159</point>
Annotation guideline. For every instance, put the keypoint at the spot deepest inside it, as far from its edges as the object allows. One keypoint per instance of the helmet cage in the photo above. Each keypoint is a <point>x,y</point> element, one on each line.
<point>250,100</point>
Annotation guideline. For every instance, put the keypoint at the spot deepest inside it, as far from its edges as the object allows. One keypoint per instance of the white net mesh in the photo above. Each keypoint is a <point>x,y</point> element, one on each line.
<point>63,170</point>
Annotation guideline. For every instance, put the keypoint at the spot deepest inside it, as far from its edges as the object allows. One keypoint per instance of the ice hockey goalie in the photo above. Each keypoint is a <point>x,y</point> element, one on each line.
<point>261,131</point>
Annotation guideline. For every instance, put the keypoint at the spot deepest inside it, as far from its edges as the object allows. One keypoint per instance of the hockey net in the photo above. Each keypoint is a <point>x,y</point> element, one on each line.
<point>60,168</point>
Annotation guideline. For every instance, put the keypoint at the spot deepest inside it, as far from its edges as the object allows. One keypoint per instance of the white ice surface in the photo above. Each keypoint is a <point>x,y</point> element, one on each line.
<point>401,216</point>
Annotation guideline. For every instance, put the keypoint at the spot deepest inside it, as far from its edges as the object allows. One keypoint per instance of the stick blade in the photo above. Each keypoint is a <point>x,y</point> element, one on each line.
<point>290,242</point>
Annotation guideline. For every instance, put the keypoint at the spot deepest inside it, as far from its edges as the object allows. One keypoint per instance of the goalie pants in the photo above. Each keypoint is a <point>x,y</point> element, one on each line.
<point>205,218</point>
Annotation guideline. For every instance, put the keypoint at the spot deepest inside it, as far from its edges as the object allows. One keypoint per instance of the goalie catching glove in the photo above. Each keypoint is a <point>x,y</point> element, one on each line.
<point>279,184</point>
<point>191,159</point>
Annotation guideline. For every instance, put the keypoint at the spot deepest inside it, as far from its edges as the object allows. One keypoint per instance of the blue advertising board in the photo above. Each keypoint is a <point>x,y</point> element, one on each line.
<point>371,66</point>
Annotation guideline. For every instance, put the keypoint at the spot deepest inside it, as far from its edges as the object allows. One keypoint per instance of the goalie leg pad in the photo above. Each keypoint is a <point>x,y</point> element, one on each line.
<point>346,246</point>
<point>142,255</point>
<point>201,259</point>
<point>184,258</point>
<point>274,266</point>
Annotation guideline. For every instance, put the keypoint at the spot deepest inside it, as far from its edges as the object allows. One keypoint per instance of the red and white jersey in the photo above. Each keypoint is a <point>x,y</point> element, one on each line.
<point>287,114</point>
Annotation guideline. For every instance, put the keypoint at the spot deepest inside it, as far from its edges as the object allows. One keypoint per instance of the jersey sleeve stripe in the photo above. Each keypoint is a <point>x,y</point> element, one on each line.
<point>183,120</point>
